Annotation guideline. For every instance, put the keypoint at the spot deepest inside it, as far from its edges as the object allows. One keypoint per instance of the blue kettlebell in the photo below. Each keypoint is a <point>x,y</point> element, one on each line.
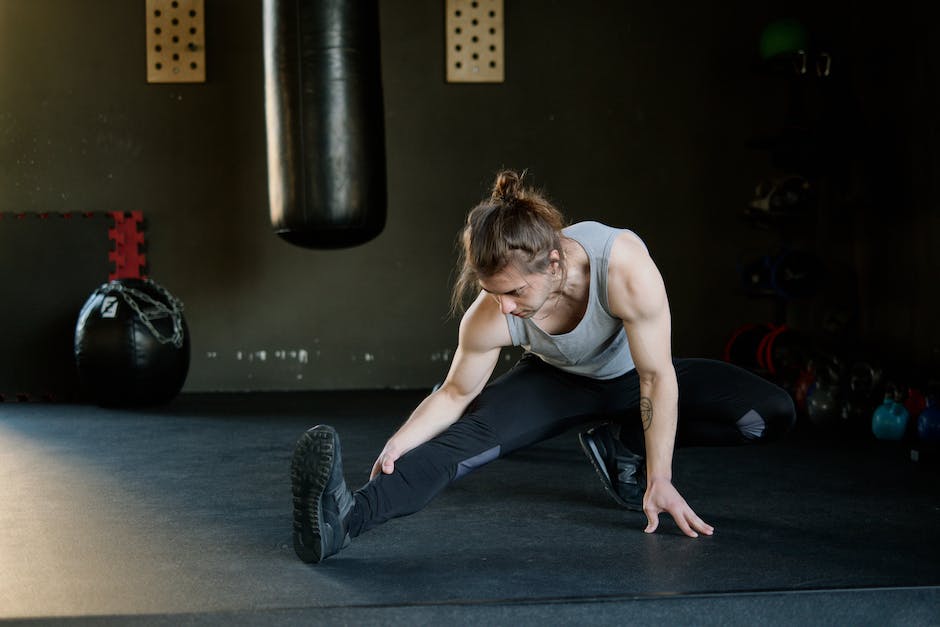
<point>889,420</point>
<point>928,425</point>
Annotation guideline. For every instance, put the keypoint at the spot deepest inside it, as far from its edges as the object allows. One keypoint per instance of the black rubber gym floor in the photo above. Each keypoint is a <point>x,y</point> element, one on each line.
<point>181,515</point>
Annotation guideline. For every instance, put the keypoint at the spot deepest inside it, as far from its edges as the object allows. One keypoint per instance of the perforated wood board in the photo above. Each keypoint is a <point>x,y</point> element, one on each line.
<point>475,41</point>
<point>176,41</point>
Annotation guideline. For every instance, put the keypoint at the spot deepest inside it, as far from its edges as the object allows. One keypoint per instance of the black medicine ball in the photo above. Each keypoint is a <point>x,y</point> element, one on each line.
<point>131,344</point>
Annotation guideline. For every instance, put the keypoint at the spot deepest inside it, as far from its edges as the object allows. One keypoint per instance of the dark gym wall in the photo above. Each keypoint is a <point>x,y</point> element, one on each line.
<point>896,219</point>
<point>628,113</point>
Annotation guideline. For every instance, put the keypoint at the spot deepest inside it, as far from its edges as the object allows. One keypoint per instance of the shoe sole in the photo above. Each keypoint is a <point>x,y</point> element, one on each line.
<point>310,473</point>
<point>597,461</point>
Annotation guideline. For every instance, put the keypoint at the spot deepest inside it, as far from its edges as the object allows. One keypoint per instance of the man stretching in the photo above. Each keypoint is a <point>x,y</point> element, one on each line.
<point>589,307</point>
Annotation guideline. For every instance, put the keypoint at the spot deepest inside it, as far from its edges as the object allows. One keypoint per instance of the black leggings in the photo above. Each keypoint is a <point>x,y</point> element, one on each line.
<point>719,404</point>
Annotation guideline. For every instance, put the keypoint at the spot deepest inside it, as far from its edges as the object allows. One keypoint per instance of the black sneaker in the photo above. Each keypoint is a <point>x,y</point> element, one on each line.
<point>321,499</point>
<point>622,471</point>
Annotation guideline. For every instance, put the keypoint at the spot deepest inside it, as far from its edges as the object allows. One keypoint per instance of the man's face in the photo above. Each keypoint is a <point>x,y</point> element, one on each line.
<point>521,295</point>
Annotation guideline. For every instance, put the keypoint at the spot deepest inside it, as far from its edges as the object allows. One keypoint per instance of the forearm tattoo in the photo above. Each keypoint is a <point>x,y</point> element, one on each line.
<point>646,412</point>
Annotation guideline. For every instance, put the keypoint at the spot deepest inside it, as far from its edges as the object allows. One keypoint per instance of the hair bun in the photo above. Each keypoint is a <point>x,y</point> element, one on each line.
<point>507,186</point>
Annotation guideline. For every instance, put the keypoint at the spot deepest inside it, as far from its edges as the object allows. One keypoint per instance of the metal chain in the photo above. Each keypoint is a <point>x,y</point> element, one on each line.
<point>160,310</point>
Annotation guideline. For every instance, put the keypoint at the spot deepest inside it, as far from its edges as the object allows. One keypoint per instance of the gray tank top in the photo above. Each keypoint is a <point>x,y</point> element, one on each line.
<point>597,347</point>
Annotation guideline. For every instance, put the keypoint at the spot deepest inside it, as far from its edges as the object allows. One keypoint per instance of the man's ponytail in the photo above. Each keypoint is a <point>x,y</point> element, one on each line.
<point>517,225</point>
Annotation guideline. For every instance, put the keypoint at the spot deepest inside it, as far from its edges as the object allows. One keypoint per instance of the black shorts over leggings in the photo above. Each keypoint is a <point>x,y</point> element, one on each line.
<point>719,404</point>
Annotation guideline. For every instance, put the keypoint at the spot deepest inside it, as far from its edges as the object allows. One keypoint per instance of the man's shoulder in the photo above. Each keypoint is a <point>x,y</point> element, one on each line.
<point>599,232</point>
<point>589,226</point>
<point>484,326</point>
<point>625,251</point>
<point>632,276</point>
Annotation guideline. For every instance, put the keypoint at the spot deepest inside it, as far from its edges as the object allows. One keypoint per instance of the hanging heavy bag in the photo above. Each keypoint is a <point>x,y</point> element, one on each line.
<point>325,121</point>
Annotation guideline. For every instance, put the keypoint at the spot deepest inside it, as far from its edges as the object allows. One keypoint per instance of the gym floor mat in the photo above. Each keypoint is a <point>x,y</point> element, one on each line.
<point>181,515</point>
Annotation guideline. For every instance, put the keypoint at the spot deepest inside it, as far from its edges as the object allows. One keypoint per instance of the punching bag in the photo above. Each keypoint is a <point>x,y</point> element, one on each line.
<point>325,121</point>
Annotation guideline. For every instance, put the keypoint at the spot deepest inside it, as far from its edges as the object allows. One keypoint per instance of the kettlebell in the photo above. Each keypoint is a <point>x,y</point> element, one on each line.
<point>803,388</point>
<point>822,406</point>
<point>928,424</point>
<point>889,421</point>
<point>862,397</point>
<point>824,403</point>
<point>915,402</point>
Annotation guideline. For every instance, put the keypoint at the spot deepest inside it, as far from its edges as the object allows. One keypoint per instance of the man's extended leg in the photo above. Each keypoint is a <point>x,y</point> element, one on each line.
<point>530,403</point>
